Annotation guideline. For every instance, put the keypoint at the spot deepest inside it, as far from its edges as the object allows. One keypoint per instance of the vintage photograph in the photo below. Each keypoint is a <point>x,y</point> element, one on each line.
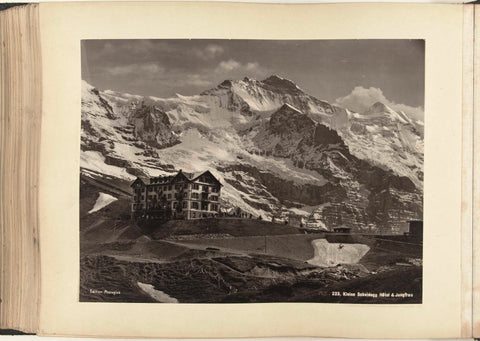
<point>252,171</point>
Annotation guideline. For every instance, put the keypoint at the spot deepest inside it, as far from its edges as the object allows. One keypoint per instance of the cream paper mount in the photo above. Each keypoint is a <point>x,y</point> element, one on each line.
<point>64,25</point>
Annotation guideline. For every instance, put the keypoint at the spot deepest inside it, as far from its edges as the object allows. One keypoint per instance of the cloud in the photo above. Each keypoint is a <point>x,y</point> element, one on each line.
<point>211,51</point>
<point>239,70</point>
<point>170,79</point>
<point>360,99</point>
<point>252,66</point>
<point>227,66</point>
<point>147,68</point>
<point>195,80</point>
<point>154,72</point>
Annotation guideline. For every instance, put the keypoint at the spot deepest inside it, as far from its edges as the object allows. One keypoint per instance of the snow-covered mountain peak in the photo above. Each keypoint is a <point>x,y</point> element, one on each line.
<point>281,84</point>
<point>381,112</point>
<point>276,79</point>
<point>377,108</point>
<point>86,86</point>
<point>273,83</point>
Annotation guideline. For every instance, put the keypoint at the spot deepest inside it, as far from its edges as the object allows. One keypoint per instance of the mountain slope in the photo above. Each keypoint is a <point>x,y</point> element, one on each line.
<point>277,150</point>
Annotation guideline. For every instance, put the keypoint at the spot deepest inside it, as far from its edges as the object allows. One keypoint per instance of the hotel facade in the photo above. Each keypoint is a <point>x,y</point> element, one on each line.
<point>181,196</point>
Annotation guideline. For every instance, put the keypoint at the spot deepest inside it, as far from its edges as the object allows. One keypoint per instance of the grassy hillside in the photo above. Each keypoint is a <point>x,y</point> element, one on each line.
<point>233,227</point>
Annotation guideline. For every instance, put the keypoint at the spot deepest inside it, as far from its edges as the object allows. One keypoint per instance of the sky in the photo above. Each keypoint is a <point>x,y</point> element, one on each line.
<point>350,73</point>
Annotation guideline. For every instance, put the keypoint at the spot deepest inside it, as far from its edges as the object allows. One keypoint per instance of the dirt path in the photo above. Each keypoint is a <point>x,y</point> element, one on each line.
<point>213,247</point>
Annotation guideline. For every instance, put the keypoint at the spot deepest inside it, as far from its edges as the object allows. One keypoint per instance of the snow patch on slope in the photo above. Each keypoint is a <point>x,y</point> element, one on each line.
<point>157,295</point>
<point>102,201</point>
<point>95,161</point>
<point>332,254</point>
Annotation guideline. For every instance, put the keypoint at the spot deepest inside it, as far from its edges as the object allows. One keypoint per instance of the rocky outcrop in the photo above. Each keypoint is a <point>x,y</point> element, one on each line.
<point>108,108</point>
<point>152,126</point>
<point>289,132</point>
<point>288,120</point>
<point>288,193</point>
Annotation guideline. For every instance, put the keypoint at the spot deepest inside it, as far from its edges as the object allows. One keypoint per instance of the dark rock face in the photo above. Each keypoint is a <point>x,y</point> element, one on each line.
<point>364,194</point>
<point>105,104</point>
<point>325,136</point>
<point>236,103</point>
<point>152,126</point>
<point>288,120</point>
<point>287,192</point>
<point>290,133</point>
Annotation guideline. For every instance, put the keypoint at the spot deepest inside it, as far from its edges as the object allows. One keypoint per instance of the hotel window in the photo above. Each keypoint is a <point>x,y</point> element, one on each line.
<point>174,204</point>
<point>169,196</point>
<point>195,186</point>
<point>195,205</point>
<point>164,188</point>
<point>184,204</point>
